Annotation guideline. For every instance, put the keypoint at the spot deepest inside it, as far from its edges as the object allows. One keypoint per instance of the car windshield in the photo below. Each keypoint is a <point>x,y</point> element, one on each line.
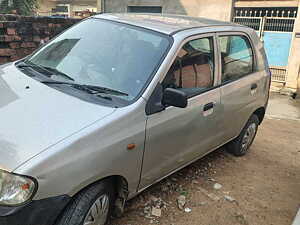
<point>104,53</point>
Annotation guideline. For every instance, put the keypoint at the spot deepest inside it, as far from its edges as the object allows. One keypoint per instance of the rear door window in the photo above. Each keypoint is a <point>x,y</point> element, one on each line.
<point>237,57</point>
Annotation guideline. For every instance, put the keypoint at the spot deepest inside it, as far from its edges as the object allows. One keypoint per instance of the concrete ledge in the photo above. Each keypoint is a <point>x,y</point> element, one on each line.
<point>276,117</point>
<point>288,91</point>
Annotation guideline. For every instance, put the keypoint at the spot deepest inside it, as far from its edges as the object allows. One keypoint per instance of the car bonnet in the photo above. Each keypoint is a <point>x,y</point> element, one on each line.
<point>34,116</point>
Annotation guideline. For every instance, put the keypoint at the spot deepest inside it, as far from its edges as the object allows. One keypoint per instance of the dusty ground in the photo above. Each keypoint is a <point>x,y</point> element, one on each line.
<point>265,185</point>
<point>281,106</point>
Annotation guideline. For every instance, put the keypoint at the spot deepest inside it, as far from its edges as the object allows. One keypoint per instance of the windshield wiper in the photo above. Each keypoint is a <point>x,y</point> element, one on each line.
<point>50,71</point>
<point>91,89</point>
<point>56,72</point>
<point>25,64</point>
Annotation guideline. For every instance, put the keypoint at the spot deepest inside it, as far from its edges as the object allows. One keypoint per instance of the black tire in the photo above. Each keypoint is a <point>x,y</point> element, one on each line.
<point>76,212</point>
<point>236,146</point>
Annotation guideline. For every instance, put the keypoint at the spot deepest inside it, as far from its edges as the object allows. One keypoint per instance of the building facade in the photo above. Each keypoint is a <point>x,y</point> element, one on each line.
<point>277,22</point>
<point>67,8</point>
<point>187,7</point>
<point>278,25</point>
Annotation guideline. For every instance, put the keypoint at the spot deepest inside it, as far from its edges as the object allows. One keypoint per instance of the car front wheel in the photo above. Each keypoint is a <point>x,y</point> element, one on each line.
<point>91,206</point>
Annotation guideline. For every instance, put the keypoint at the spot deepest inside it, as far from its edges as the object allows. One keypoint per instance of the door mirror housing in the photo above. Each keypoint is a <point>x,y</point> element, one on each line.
<point>174,97</point>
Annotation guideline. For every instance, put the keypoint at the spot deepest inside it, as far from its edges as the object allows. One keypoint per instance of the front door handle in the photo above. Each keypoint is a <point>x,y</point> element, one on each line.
<point>208,109</point>
<point>208,106</point>
<point>253,86</point>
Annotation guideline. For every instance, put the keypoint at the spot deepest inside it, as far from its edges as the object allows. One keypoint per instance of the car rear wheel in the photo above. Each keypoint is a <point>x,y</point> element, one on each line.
<point>92,206</point>
<point>240,145</point>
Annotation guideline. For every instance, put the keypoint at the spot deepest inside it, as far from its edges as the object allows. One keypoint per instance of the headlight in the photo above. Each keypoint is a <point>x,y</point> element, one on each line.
<point>15,189</point>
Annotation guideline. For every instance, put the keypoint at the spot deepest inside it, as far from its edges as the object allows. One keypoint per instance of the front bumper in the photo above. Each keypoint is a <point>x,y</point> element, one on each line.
<point>39,212</point>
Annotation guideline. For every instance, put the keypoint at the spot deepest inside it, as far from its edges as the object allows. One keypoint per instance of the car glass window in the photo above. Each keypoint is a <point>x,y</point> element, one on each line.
<point>193,68</point>
<point>201,44</point>
<point>237,57</point>
<point>107,54</point>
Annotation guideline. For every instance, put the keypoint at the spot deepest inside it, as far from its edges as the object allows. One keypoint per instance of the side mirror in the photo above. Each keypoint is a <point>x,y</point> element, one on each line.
<point>174,97</point>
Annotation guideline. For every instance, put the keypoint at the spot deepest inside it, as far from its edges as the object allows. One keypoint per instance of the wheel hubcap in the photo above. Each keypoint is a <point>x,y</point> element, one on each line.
<point>248,137</point>
<point>98,212</point>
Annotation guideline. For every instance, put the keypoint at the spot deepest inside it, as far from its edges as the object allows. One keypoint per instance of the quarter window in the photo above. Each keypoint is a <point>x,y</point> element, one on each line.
<point>193,70</point>
<point>237,57</point>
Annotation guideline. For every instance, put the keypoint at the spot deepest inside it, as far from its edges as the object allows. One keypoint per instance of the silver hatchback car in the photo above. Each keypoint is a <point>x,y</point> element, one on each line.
<point>117,103</point>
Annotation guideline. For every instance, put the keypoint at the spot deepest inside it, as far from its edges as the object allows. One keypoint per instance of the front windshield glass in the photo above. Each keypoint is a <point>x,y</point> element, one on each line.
<point>104,53</point>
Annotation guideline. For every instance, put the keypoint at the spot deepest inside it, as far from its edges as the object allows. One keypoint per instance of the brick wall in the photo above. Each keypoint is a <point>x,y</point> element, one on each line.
<point>20,36</point>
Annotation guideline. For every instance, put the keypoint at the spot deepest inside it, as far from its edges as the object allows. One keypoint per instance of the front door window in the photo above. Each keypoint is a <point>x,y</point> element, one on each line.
<point>193,69</point>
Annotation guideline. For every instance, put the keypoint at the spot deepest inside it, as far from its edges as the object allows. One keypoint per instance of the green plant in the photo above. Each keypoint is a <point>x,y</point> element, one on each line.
<point>22,7</point>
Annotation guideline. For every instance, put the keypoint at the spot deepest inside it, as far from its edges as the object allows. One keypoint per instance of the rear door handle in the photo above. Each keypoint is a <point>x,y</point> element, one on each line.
<point>208,106</point>
<point>253,86</point>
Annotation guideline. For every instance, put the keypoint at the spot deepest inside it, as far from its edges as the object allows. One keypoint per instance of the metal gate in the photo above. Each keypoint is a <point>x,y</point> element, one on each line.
<point>275,28</point>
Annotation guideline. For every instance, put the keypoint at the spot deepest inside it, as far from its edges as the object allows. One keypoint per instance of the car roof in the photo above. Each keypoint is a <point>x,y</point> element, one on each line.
<point>164,23</point>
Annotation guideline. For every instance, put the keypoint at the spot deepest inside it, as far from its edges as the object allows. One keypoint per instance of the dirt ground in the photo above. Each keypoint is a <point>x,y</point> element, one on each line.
<point>264,186</point>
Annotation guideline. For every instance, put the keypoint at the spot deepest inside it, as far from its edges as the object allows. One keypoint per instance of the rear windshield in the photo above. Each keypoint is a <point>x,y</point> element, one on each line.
<point>107,54</point>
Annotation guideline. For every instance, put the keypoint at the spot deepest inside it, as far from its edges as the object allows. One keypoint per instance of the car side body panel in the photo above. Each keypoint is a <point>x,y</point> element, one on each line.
<point>97,152</point>
<point>176,136</point>
<point>238,98</point>
<point>239,104</point>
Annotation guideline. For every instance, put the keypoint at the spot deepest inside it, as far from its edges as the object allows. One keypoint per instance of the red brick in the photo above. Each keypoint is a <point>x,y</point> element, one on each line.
<point>29,51</point>
<point>1,25</point>
<point>6,38</point>
<point>14,45</point>
<point>21,52</point>
<point>28,45</point>
<point>9,38</point>
<point>4,60</point>
<point>15,58</point>
<point>45,40</point>
<point>11,31</point>
<point>7,52</point>
<point>17,38</point>
<point>36,39</point>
